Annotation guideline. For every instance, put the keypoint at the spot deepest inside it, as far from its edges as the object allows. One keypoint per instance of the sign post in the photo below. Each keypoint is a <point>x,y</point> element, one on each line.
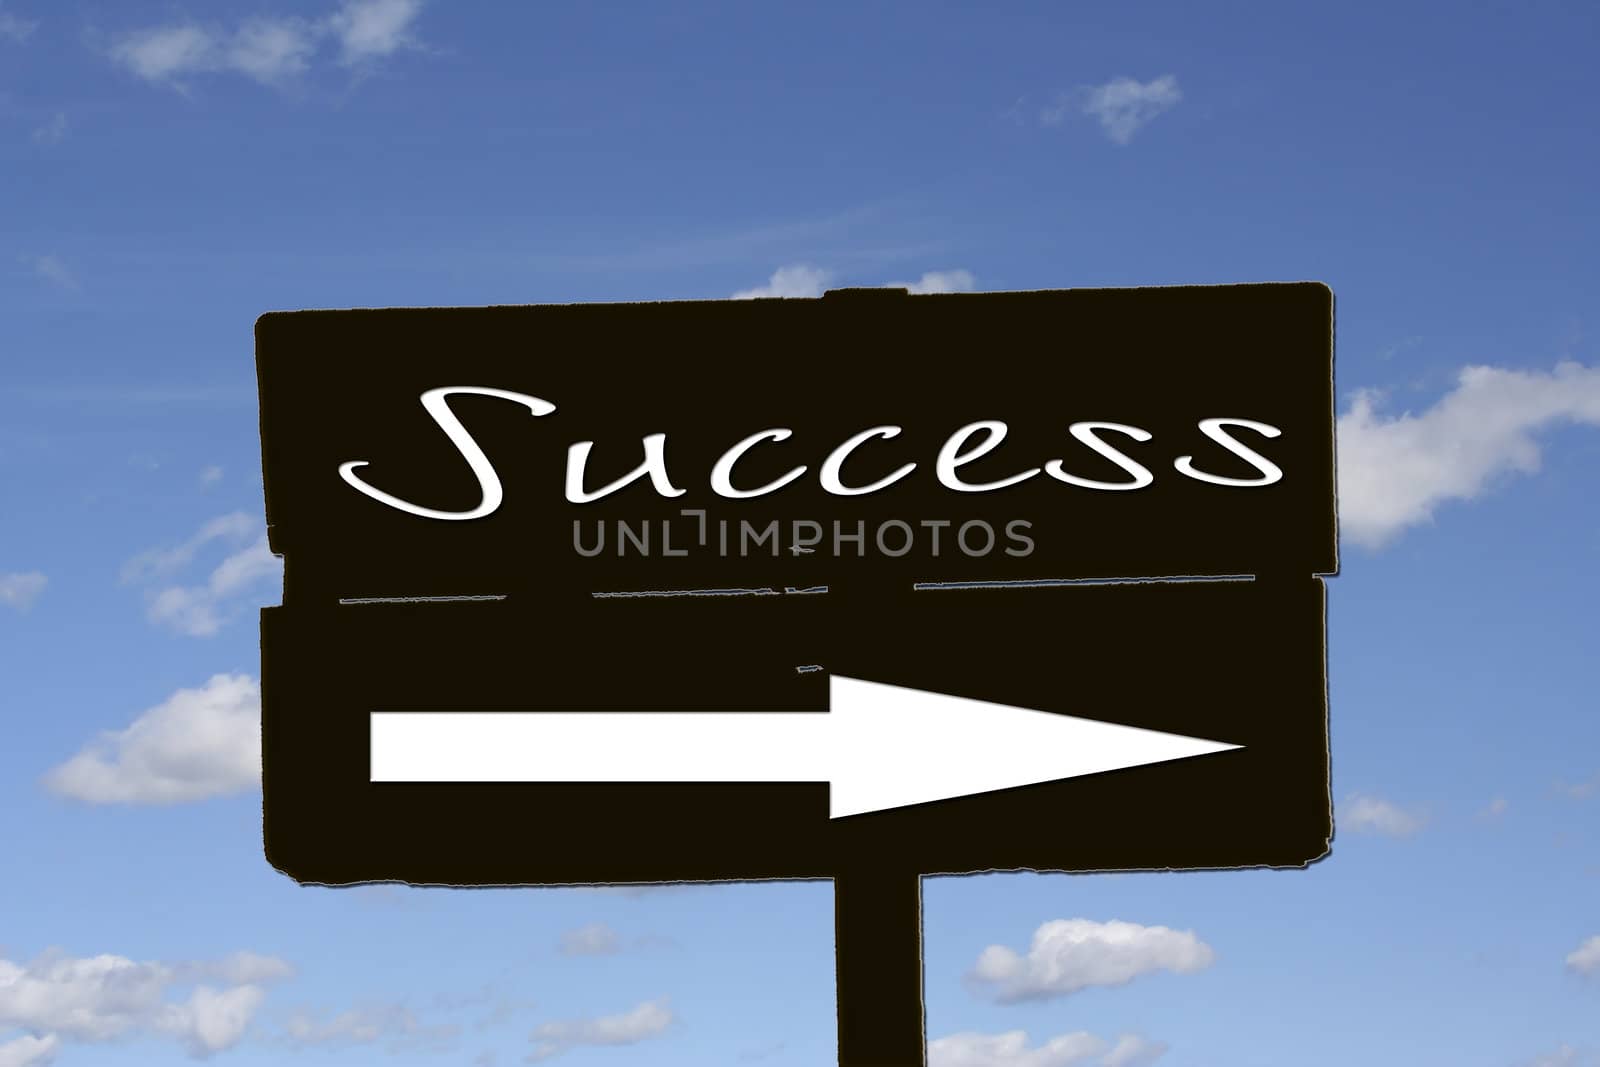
<point>866,587</point>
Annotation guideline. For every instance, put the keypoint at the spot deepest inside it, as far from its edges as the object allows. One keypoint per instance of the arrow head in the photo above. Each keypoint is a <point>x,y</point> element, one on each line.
<point>894,746</point>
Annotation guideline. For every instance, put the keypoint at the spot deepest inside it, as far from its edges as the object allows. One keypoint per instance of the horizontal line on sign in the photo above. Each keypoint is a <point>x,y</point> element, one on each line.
<point>418,599</point>
<point>768,591</point>
<point>1034,583</point>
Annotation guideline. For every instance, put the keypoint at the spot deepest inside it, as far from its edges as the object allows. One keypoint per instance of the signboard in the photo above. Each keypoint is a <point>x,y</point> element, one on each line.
<point>864,587</point>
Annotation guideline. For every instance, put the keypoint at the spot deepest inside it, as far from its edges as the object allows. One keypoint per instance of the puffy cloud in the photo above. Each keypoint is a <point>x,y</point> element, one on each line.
<point>1069,955</point>
<point>596,939</point>
<point>1123,106</point>
<point>370,29</point>
<point>1131,1050</point>
<point>101,998</point>
<point>1367,814</point>
<point>22,589</point>
<point>794,281</point>
<point>1011,1049</point>
<point>211,1020</point>
<point>939,281</point>
<point>1395,471</point>
<point>196,744</point>
<point>28,1051</point>
<point>161,53</point>
<point>1585,959</point>
<point>268,50</point>
<point>803,280</point>
<point>647,1020</point>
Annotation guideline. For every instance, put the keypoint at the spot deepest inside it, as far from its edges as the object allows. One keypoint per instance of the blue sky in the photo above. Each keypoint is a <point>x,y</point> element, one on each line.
<point>168,171</point>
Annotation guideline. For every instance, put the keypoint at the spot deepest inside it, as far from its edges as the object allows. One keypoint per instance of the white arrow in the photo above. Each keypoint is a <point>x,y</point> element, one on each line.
<point>880,746</point>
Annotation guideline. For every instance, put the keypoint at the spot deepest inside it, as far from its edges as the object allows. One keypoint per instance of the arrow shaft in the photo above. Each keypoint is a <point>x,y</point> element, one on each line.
<point>590,746</point>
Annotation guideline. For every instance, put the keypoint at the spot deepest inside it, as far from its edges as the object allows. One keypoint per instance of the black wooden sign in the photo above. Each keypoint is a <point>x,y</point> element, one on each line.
<point>864,587</point>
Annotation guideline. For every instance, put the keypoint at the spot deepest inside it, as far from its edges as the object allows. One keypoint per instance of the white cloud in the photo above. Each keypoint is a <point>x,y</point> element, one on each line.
<point>235,527</point>
<point>210,475</point>
<point>369,29</point>
<point>1585,959</point>
<point>1011,1049</point>
<point>1068,955</point>
<point>805,281</point>
<point>939,281</point>
<point>596,939</point>
<point>105,998</point>
<point>29,1051</point>
<point>202,610</point>
<point>211,1020</point>
<point>20,590</point>
<point>53,131</point>
<point>15,27</point>
<point>268,50</point>
<point>1497,807</point>
<point>393,1025</point>
<point>54,271</point>
<point>795,281</point>
<point>647,1020</point>
<point>1365,814</point>
<point>240,968</point>
<point>1131,1050</point>
<point>198,743</point>
<point>163,53</point>
<point>1395,471</point>
<point>1123,106</point>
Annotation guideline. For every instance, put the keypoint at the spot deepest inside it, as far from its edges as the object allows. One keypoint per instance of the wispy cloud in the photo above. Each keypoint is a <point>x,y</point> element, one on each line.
<point>1585,959</point>
<point>1366,814</point>
<point>210,475</point>
<point>196,744</point>
<point>235,526</point>
<point>1395,471</point>
<point>395,1026</point>
<point>14,27</point>
<point>53,270</point>
<point>54,130</point>
<point>1069,955</point>
<point>99,999</point>
<point>1122,106</point>
<point>203,609</point>
<point>1579,790</point>
<point>20,590</point>
<point>269,50</point>
<point>647,1020</point>
<point>1011,1049</point>
<point>596,939</point>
